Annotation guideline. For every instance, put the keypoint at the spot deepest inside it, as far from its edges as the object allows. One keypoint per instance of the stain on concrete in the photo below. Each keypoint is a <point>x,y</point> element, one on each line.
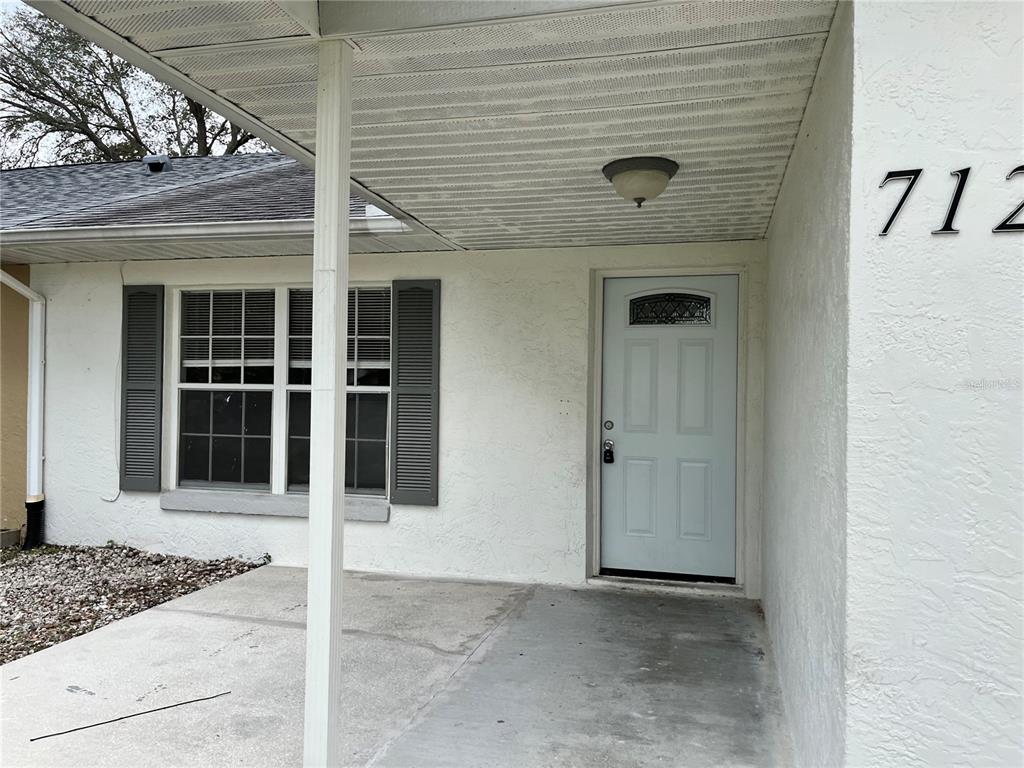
<point>599,678</point>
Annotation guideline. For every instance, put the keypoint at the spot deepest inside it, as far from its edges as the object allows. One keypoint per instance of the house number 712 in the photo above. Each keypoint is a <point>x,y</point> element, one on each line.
<point>913,174</point>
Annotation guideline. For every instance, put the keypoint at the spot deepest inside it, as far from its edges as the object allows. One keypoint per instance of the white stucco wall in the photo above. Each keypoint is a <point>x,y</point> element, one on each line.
<point>515,349</point>
<point>934,566</point>
<point>805,413</point>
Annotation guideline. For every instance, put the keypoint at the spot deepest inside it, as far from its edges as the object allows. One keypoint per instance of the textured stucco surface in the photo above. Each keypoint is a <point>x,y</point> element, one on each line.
<point>804,513</point>
<point>13,391</point>
<point>934,642</point>
<point>515,346</point>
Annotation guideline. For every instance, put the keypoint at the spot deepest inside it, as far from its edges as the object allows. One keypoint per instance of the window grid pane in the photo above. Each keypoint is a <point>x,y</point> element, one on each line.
<point>366,442</point>
<point>298,441</point>
<point>225,437</point>
<point>300,335</point>
<point>227,337</point>
<point>369,327</point>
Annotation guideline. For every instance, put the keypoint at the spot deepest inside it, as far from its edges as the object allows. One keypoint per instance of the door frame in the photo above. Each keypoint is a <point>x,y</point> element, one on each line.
<point>747,545</point>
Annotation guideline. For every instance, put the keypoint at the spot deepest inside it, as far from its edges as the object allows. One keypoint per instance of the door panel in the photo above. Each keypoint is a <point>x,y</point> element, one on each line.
<point>668,502</point>
<point>641,514</point>
<point>641,385</point>
<point>694,382</point>
<point>694,499</point>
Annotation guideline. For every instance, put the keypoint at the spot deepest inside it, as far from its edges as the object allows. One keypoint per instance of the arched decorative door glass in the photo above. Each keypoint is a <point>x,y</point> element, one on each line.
<point>670,309</point>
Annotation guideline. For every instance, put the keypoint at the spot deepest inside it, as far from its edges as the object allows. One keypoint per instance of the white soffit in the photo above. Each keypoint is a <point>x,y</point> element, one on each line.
<point>493,134</point>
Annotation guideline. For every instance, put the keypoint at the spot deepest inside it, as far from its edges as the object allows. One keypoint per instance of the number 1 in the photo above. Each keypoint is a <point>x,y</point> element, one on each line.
<point>961,182</point>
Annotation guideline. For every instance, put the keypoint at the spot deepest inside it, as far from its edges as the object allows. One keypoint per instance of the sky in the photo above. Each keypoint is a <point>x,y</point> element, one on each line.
<point>149,103</point>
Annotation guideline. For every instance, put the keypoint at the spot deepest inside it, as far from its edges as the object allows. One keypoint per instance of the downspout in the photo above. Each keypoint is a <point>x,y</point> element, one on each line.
<point>35,501</point>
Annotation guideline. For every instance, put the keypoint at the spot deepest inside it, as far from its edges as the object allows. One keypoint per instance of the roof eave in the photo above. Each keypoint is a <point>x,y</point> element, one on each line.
<point>90,29</point>
<point>217,230</point>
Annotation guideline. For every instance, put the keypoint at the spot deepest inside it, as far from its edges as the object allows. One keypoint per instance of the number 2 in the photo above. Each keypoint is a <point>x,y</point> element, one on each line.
<point>1008,224</point>
<point>911,175</point>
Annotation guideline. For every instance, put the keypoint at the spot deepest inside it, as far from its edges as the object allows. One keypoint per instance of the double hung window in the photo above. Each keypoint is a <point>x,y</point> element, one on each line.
<point>244,389</point>
<point>226,388</point>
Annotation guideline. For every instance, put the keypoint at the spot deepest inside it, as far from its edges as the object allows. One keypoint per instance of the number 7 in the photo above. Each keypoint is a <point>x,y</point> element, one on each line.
<point>911,175</point>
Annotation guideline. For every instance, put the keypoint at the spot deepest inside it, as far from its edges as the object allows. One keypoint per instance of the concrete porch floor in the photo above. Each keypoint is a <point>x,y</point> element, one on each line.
<point>439,673</point>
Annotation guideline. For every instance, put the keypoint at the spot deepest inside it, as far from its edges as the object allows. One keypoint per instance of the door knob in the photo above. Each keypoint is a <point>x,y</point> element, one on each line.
<point>608,447</point>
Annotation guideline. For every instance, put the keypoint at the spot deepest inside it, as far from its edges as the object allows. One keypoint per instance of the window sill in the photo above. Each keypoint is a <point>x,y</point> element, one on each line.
<point>357,508</point>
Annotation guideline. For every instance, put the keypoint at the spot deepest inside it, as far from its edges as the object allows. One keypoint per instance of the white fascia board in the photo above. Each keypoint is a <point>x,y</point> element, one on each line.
<point>206,231</point>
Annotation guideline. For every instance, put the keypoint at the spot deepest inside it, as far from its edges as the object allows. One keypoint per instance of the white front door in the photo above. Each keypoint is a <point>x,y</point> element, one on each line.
<point>668,495</point>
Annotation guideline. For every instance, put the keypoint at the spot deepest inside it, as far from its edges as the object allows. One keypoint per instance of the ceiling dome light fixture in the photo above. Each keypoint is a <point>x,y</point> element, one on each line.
<point>640,178</point>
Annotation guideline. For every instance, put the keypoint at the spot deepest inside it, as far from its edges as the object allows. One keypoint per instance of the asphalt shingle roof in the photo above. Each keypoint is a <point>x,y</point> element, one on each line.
<point>248,187</point>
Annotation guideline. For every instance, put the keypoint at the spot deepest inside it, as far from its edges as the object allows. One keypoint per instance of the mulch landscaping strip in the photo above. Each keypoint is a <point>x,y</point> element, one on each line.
<point>51,594</point>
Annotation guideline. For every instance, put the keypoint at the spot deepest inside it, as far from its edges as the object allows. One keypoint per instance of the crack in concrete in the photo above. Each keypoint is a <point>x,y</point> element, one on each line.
<point>404,641</point>
<point>515,605</point>
<point>351,631</point>
<point>234,617</point>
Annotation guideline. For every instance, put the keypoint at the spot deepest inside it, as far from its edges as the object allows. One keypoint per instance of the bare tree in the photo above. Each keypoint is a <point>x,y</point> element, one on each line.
<point>65,100</point>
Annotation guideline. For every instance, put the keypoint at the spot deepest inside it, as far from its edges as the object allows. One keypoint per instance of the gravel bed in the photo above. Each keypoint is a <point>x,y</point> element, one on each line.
<point>50,594</point>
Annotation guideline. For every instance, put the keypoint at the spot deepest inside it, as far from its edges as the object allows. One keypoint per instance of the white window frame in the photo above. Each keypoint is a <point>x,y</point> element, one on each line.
<point>280,389</point>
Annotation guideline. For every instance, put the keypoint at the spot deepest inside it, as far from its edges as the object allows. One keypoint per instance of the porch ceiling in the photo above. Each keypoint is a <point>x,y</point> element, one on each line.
<point>493,133</point>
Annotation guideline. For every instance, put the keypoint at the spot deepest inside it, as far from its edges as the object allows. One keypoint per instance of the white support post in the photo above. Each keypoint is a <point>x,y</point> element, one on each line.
<point>322,734</point>
<point>36,368</point>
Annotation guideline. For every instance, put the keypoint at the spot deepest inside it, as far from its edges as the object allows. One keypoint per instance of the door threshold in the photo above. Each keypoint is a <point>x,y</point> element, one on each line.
<point>629,573</point>
<point>665,586</point>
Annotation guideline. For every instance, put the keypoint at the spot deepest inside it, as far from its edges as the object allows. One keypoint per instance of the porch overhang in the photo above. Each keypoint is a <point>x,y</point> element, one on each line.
<point>489,133</point>
<point>489,122</point>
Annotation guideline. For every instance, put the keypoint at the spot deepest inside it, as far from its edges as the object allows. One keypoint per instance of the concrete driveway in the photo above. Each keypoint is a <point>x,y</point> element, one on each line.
<point>439,673</point>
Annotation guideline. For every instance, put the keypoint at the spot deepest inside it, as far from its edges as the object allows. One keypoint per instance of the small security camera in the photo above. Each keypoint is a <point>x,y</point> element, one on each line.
<point>157,163</point>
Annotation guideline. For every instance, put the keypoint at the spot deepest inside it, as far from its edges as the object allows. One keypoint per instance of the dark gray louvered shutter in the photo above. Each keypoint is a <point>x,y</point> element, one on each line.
<point>142,359</point>
<point>415,383</point>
